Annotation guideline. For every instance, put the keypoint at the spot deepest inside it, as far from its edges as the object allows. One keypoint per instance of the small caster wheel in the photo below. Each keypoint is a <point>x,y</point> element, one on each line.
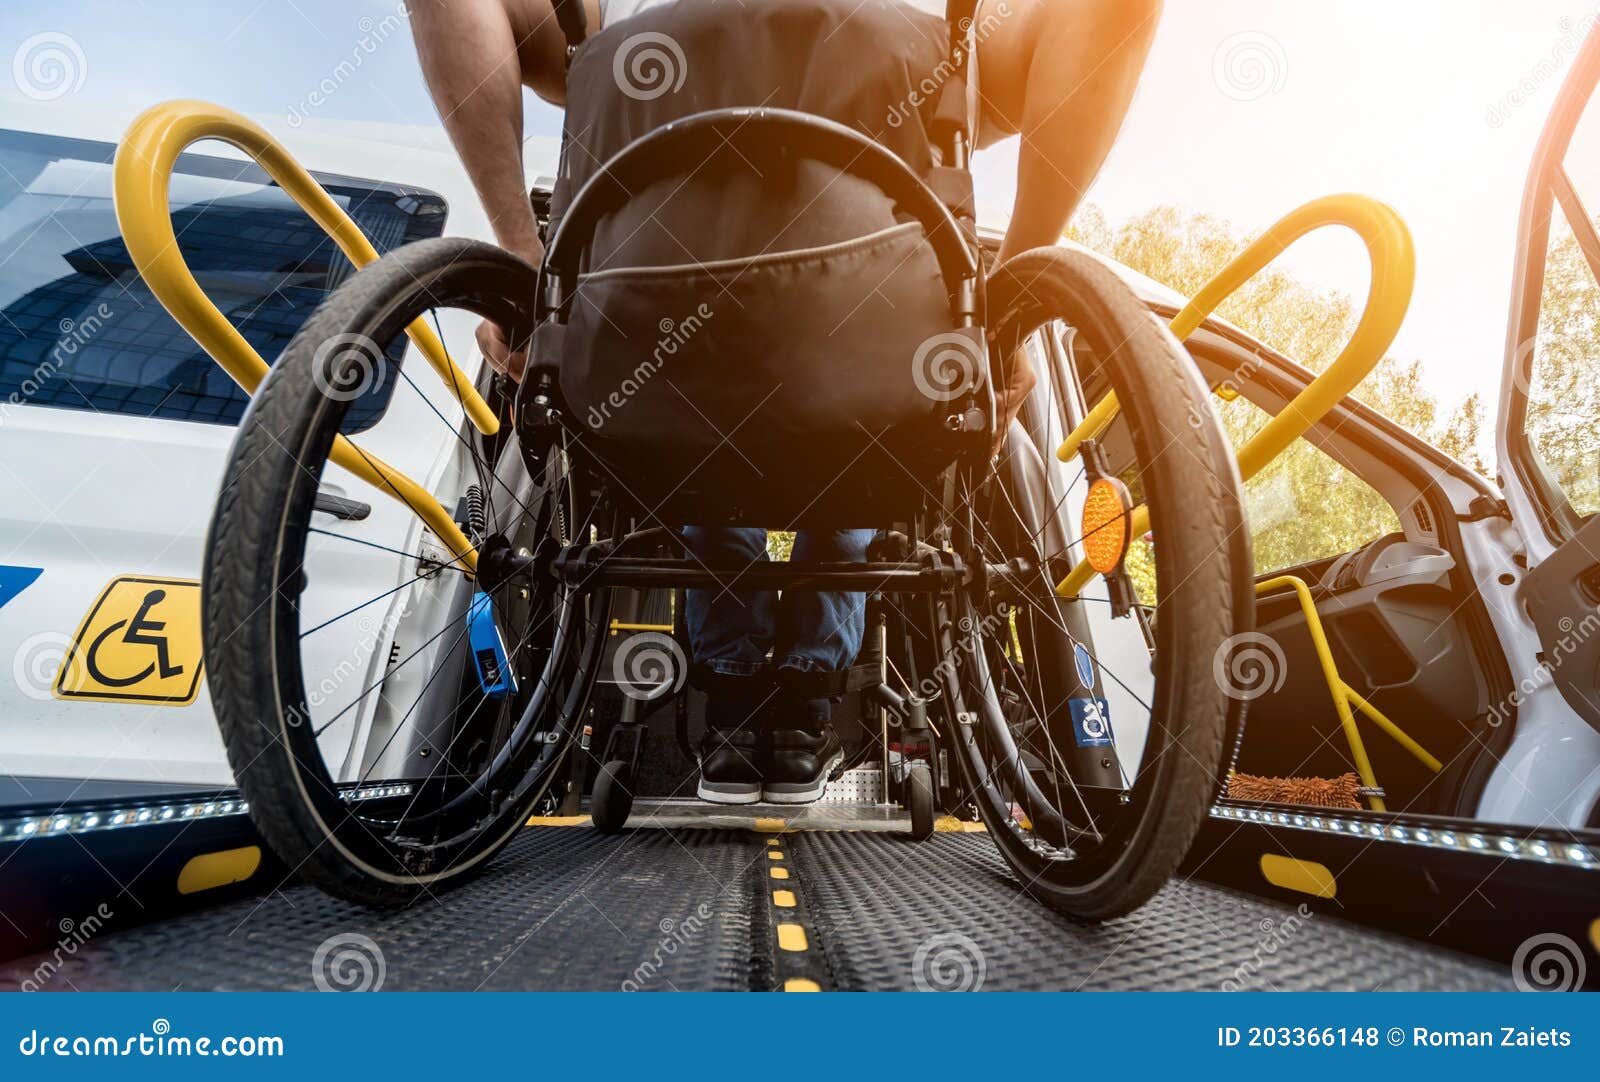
<point>612,798</point>
<point>919,799</point>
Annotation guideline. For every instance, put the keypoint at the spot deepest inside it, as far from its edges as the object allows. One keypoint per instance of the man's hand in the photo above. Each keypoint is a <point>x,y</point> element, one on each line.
<point>1012,384</point>
<point>492,339</point>
<point>497,351</point>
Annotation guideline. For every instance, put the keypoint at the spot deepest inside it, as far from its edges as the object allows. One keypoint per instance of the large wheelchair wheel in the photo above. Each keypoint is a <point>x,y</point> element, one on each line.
<point>1047,693</point>
<point>381,760</point>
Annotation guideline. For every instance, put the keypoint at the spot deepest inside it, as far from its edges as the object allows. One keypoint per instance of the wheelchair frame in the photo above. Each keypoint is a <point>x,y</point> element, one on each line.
<point>145,161</point>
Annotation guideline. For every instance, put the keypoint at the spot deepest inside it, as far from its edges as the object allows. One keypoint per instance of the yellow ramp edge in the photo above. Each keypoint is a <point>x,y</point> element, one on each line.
<point>1304,876</point>
<point>211,870</point>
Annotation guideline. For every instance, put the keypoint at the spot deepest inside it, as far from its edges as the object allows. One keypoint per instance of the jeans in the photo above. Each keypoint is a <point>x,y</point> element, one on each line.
<point>731,630</point>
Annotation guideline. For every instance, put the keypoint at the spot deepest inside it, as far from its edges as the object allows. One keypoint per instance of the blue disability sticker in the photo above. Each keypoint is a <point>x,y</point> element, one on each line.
<point>1085,666</point>
<point>1091,722</point>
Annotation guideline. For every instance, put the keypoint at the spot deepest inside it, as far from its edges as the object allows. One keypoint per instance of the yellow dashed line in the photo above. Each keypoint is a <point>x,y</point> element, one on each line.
<point>779,873</point>
<point>800,984</point>
<point>783,899</point>
<point>792,937</point>
<point>772,841</point>
<point>774,854</point>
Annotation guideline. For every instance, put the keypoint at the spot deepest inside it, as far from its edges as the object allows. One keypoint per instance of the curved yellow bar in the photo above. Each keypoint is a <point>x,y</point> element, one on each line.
<point>1388,296</point>
<point>1344,696</point>
<point>140,177</point>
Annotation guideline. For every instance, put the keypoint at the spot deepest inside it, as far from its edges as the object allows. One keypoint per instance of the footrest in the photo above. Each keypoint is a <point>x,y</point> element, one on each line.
<point>807,685</point>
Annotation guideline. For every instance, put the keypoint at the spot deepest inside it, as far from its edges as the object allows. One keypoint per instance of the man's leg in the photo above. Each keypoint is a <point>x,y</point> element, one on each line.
<point>823,634</point>
<point>825,629</point>
<point>730,632</point>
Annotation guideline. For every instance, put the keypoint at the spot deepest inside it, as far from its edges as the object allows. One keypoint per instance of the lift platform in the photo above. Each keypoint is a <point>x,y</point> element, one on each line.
<point>690,898</point>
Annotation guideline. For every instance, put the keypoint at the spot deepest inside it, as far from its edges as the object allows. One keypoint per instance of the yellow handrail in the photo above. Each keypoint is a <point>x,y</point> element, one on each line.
<point>1344,696</point>
<point>1388,295</point>
<point>141,175</point>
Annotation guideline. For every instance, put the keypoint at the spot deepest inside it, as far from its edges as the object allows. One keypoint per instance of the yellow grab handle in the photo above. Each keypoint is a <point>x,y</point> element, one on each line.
<point>1344,696</point>
<point>1388,296</point>
<point>141,176</point>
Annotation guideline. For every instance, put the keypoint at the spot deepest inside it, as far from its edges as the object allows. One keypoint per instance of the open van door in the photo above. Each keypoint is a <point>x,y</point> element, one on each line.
<point>1549,428</point>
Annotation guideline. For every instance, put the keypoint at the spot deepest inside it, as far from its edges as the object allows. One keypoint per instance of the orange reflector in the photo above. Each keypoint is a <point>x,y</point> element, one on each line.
<point>1105,524</point>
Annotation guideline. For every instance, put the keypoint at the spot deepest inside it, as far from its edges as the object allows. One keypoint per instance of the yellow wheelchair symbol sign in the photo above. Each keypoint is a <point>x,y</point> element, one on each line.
<point>139,643</point>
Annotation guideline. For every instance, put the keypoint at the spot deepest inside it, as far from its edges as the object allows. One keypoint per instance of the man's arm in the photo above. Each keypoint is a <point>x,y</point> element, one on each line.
<point>1068,99</point>
<point>1062,74</point>
<point>470,57</point>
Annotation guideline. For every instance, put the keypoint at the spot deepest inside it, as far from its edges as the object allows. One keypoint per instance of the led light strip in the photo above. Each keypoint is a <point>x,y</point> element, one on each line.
<point>139,815</point>
<point>1536,850</point>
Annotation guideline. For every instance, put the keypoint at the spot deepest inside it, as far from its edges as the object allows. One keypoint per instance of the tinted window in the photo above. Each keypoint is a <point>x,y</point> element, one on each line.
<point>78,327</point>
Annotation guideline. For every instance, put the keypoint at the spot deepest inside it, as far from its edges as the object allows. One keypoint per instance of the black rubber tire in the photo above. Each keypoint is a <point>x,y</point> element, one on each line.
<point>253,555</point>
<point>919,800</point>
<point>611,801</point>
<point>1203,570</point>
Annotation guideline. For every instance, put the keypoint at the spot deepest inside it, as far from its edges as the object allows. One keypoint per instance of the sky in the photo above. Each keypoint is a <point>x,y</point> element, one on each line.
<point>1247,109</point>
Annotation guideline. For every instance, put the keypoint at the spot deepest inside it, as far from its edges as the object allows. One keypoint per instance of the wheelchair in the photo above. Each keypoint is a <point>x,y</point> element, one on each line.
<point>771,310</point>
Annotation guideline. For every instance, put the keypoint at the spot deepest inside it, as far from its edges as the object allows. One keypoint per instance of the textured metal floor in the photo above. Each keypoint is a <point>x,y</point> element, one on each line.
<point>890,914</point>
<point>568,908</point>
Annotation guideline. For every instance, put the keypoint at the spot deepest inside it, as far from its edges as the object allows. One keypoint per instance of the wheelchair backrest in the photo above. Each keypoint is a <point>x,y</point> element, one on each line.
<point>752,333</point>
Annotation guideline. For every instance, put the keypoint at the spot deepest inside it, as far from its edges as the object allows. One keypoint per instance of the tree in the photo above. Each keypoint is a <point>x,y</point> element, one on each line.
<point>1564,391</point>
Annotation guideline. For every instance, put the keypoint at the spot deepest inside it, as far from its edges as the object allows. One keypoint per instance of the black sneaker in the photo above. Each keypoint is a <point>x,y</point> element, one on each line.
<point>729,773</point>
<point>800,761</point>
